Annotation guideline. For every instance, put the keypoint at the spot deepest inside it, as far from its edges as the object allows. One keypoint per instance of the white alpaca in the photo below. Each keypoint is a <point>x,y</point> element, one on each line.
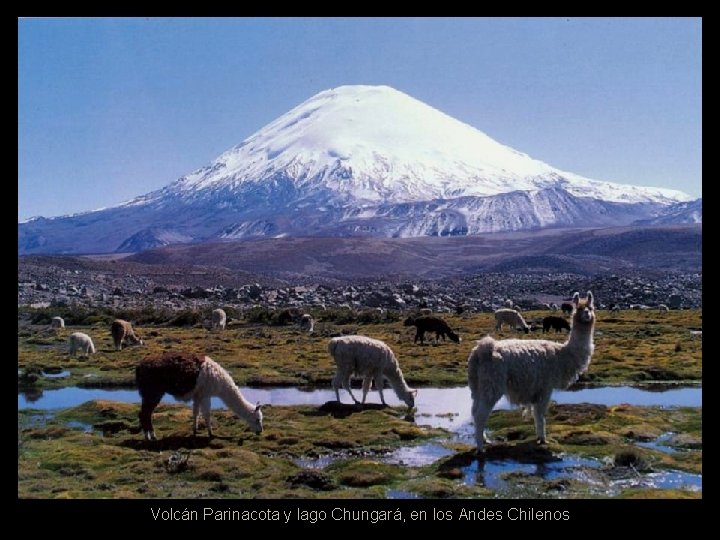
<point>307,323</point>
<point>218,319</point>
<point>527,371</point>
<point>57,322</point>
<point>510,317</point>
<point>371,359</point>
<point>79,341</point>
<point>187,376</point>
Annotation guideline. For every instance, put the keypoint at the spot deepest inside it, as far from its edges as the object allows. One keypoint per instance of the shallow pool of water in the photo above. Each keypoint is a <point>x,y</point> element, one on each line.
<point>417,456</point>
<point>663,480</point>
<point>58,375</point>
<point>490,473</point>
<point>659,444</point>
<point>400,494</point>
<point>433,404</point>
<point>74,424</point>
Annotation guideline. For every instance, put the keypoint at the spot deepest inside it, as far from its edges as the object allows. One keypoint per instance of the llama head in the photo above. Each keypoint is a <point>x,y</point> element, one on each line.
<point>256,422</point>
<point>133,339</point>
<point>584,310</point>
<point>410,398</point>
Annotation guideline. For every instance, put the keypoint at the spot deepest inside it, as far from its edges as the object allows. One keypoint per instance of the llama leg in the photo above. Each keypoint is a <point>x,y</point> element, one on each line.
<point>539,409</point>
<point>367,381</point>
<point>149,402</point>
<point>380,384</point>
<point>481,412</point>
<point>346,386</point>
<point>336,384</point>
<point>205,406</point>
<point>196,413</point>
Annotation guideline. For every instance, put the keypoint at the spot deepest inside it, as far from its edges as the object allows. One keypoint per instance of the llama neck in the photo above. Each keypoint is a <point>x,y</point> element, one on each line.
<point>397,381</point>
<point>577,353</point>
<point>581,338</point>
<point>231,396</point>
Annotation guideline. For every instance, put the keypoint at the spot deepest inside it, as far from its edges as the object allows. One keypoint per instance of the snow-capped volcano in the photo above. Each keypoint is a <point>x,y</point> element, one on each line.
<point>376,144</point>
<point>355,160</point>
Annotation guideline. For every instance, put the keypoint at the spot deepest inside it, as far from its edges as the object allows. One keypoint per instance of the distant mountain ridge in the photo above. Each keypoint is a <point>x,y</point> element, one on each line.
<point>683,212</point>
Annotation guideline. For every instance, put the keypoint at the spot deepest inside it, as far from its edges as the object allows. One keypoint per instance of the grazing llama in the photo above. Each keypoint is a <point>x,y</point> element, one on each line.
<point>510,317</point>
<point>371,359</point>
<point>122,331</point>
<point>187,376</point>
<point>431,324</point>
<point>557,323</point>
<point>79,341</point>
<point>527,371</point>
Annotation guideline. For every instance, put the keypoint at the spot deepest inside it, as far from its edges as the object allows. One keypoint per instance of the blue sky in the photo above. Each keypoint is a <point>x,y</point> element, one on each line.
<point>109,109</point>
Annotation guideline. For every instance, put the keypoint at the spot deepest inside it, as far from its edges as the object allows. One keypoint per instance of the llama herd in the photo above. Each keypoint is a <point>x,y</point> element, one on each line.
<point>121,331</point>
<point>524,370</point>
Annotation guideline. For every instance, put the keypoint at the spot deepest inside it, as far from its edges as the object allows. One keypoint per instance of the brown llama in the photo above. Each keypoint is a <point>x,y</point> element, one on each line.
<point>187,376</point>
<point>122,332</point>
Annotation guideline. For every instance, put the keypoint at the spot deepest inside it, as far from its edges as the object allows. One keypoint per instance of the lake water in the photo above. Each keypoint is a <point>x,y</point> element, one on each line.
<point>448,408</point>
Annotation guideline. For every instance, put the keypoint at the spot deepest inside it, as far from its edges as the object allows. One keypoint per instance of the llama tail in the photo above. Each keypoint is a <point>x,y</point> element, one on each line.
<point>332,345</point>
<point>482,353</point>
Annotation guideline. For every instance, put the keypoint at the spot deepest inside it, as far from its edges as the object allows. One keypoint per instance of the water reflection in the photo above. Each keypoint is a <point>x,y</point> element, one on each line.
<point>440,407</point>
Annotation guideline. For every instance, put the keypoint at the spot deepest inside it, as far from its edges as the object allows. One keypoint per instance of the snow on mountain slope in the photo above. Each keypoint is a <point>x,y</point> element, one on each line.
<point>684,212</point>
<point>376,144</point>
<point>354,160</point>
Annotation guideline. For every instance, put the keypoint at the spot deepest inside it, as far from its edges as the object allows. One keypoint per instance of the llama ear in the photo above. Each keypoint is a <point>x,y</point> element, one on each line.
<point>414,392</point>
<point>576,298</point>
<point>258,407</point>
<point>590,300</point>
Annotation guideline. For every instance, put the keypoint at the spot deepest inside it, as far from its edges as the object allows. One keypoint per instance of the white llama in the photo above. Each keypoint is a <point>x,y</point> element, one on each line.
<point>510,317</point>
<point>371,359</point>
<point>187,376</point>
<point>219,319</point>
<point>527,371</point>
<point>79,341</point>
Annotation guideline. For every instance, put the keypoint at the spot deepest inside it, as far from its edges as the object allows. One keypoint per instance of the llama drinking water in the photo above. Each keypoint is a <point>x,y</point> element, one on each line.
<point>371,359</point>
<point>527,371</point>
<point>187,376</point>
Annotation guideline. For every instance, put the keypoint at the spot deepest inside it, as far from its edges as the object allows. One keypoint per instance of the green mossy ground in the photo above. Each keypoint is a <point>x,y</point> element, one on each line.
<point>631,347</point>
<point>96,450</point>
